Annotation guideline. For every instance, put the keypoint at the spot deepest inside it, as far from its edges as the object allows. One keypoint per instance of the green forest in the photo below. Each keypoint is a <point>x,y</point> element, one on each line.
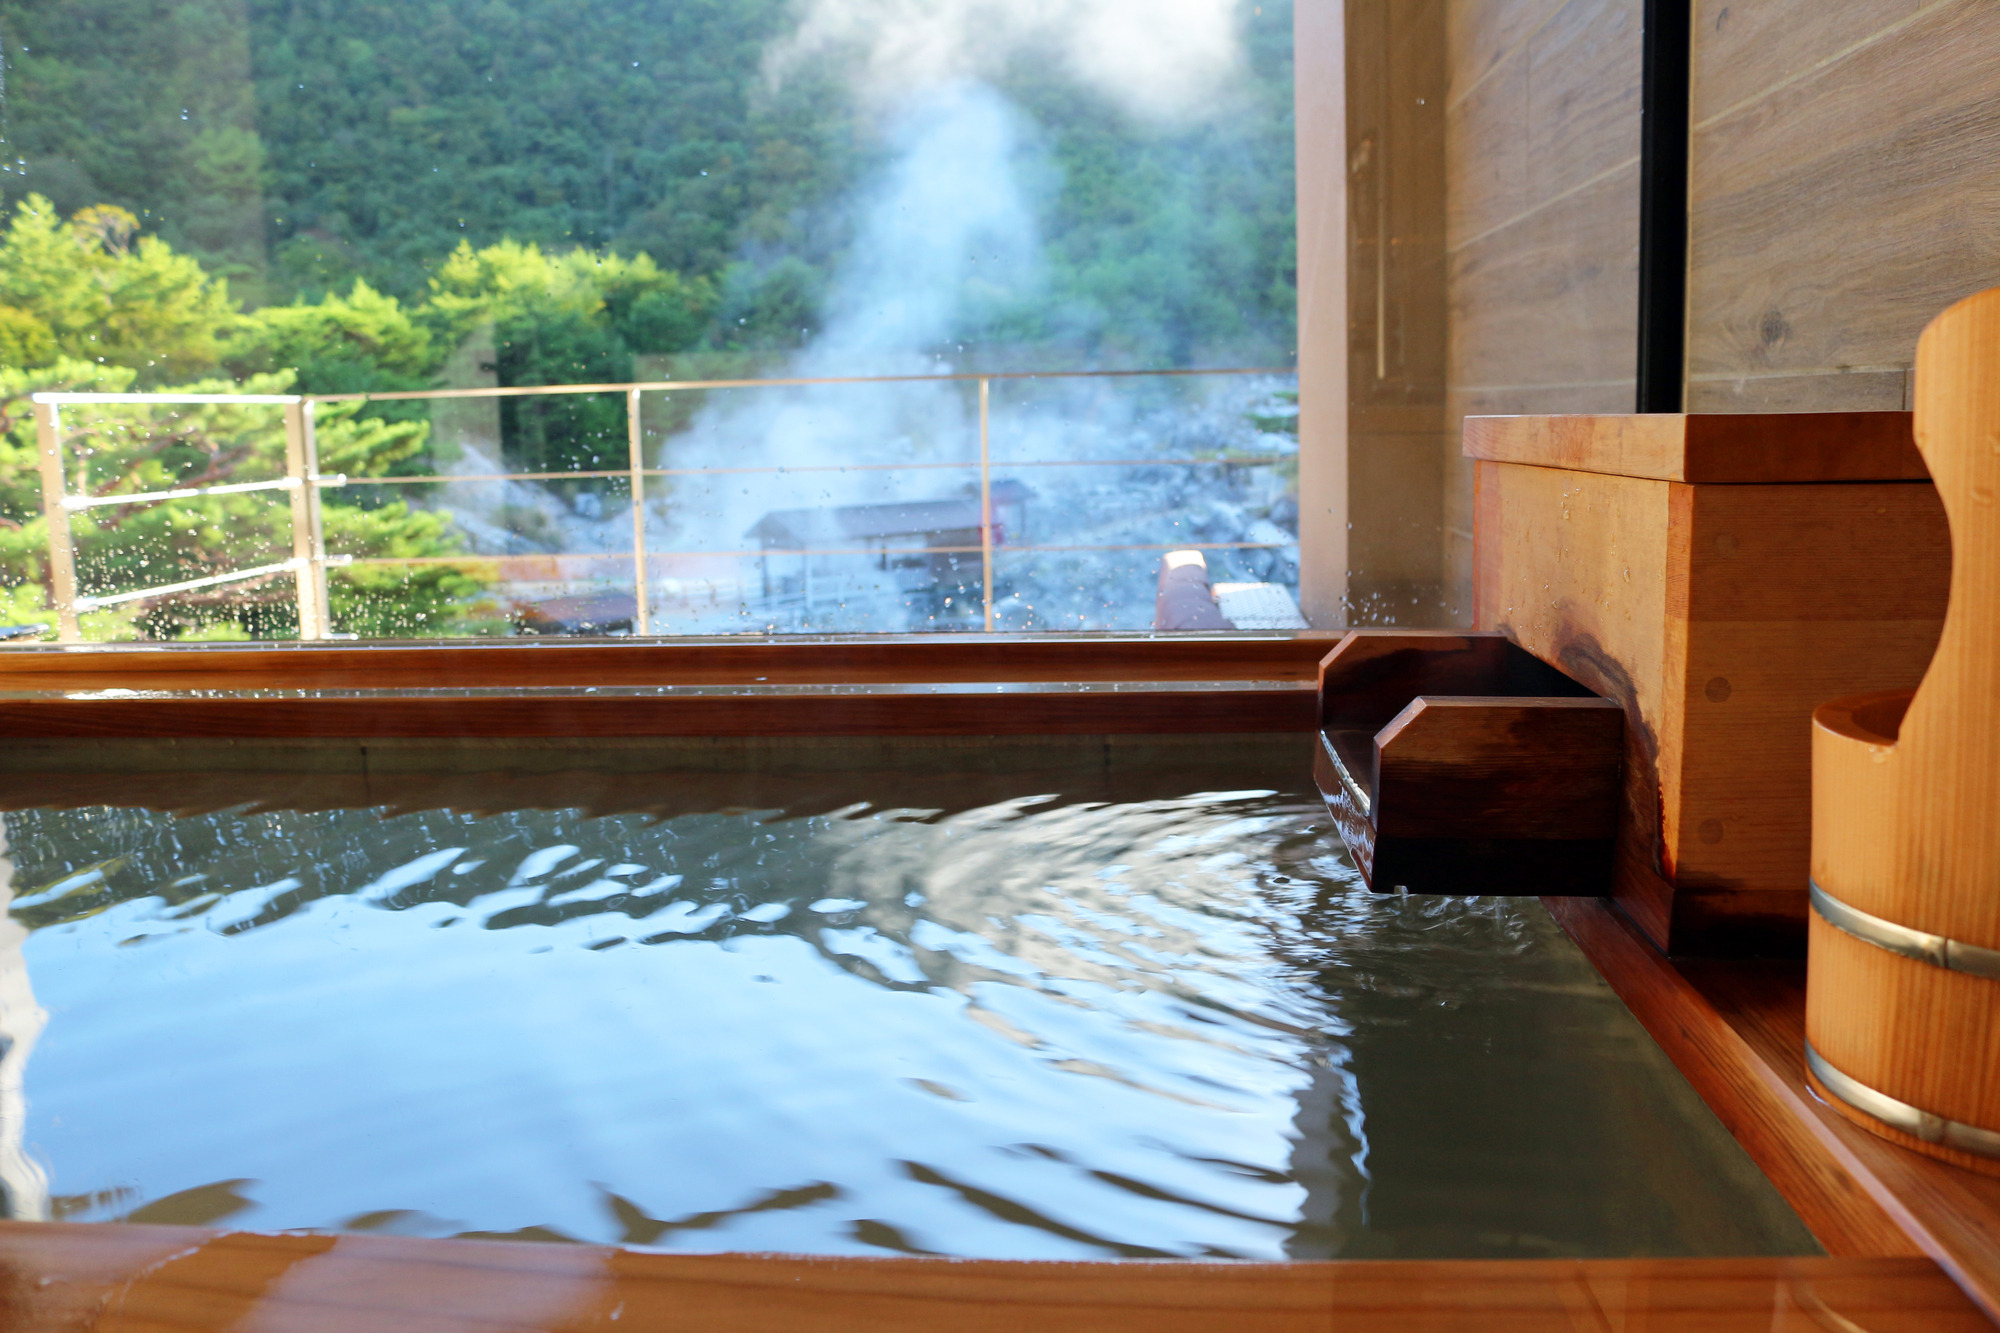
<point>333,197</point>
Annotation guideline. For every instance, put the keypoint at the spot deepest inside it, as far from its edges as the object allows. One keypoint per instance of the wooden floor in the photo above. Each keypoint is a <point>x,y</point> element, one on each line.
<point>124,1279</point>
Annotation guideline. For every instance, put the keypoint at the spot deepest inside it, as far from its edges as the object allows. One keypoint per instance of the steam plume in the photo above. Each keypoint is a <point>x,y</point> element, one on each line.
<point>1168,60</point>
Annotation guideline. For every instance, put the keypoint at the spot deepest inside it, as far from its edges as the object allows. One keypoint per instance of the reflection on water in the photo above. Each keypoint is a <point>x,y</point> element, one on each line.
<point>24,1187</point>
<point>1154,1027</point>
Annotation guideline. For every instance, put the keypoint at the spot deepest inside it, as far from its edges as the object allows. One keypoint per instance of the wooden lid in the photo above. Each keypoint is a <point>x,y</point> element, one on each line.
<point>1709,447</point>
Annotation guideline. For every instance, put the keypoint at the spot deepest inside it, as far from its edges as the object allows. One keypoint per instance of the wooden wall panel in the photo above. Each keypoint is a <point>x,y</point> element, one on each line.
<point>1542,231</point>
<point>1486,155</point>
<point>1745,50</point>
<point>1583,95</point>
<point>1550,301</point>
<point>1827,391</point>
<point>1481,34</point>
<point>1845,188</point>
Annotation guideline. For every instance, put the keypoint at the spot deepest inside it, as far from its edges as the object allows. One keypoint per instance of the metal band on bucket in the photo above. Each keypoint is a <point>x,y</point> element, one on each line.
<point>1937,950</point>
<point>1917,1124</point>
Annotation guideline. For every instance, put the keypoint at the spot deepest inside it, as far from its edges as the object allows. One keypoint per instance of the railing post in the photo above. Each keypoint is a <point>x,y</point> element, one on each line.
<point>642,611</point>
<point>62,552</point>
<point>985,503</point>
<point>306,570</point>
<point>315,519</point>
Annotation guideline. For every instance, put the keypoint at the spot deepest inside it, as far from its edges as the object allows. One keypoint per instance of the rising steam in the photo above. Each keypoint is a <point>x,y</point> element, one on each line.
<point>1168,60</point>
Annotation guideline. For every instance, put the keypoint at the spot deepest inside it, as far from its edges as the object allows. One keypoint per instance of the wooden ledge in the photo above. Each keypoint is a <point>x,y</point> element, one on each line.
<point>1007,709</point>
<point>1736,1029</point>
<point>1714,447</point>
<point>792,660</point>
<point>121,1279</point>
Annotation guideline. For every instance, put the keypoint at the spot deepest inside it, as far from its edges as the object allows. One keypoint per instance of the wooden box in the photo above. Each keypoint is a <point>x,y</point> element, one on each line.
<point>1461,763</point>
<point>1719,576</point>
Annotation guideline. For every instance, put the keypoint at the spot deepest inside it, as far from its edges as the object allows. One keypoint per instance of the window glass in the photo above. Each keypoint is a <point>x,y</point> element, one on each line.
<point>847,244</point>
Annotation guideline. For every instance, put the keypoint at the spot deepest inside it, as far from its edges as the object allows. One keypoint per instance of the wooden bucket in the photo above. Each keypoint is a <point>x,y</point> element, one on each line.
<point>1903,983</point>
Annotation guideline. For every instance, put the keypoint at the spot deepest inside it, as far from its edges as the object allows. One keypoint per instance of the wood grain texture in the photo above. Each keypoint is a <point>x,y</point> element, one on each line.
<point>1732,448</point>
<point>1835,209</point>
<point>114,1279</point>
<point>1855,850</point>
<point>1571,564</point>
<point>1395,542</point>
<point>1834,391</point>
<point>1480,35</point>
<point>1614,396</point>
<point>1486,147</point>
<point>1743,51</point>
<point>1793,593</point>
<point>1450,759</point>
<point>1500,768</point>
<point>879,711</point>
<point>1395,226</point>
<point>1583,101</point>
<point>1551,298</point>
<point>1905,826</point>
<point>1542,218</point>
<point>1371,675</point>
<point>744,661</point>
<point>1930,1032</point>
<point>1952,1214</point>
<point>1947,753</point>
<point>1718,614</point>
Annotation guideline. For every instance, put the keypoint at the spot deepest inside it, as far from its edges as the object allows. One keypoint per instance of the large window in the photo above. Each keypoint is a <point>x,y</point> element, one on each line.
<point>848,283</point>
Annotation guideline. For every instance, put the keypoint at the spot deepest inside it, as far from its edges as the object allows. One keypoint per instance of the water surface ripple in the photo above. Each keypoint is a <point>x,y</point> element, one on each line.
<point>1150,1028</point>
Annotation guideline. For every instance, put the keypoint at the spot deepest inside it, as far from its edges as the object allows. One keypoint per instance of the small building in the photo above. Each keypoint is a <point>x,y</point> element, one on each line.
<point>923,543</point>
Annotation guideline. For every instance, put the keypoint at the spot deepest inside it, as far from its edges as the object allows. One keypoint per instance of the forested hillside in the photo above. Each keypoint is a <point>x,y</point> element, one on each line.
<point>293,147</point>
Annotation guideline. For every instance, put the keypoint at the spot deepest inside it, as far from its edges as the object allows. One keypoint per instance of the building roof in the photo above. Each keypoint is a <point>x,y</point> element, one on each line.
<point>852,525</point>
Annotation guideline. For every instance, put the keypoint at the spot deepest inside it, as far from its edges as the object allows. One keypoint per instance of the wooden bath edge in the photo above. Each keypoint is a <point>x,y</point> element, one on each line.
<point>119,1277</point>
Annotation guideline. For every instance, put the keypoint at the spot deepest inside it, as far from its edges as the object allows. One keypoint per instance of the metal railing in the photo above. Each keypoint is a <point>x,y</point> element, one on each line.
<point>310,561</point>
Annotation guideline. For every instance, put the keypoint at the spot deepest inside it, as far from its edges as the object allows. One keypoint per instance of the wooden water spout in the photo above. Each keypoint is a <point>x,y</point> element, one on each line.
<point>1903,998</point>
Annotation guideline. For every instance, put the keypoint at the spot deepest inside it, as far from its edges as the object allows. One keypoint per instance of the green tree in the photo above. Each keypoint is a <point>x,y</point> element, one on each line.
<point>90,289</point>
<point>86,308</point>
<point>359,343</point>
<point>577,317</point>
